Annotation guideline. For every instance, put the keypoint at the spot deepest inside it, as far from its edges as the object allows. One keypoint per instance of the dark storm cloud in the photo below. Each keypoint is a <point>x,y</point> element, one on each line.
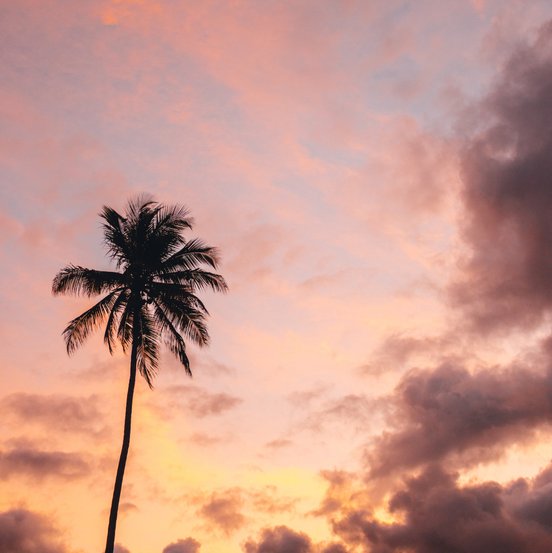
<point>38,464</point>
<point>189,545</point>
<point>507,193</point>
<point>64,413</point>
<point>450,411</point>
<point>437,516</point>
<point>23,531</point>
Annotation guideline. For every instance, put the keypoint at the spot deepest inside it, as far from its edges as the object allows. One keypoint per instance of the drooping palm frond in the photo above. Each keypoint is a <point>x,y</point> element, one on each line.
<point>172,337</point>
<point>170,291</point>
<point>77,280</point>
<point>126,322</point>
<point>146,336</point>
<point>80,327</point>
<point>114,318</point>
<point>189,320</point>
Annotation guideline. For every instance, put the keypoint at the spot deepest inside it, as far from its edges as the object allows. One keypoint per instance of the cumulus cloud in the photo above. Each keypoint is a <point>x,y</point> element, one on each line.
<point>282,539</point>
<point>189,545</point>
<point>434,514</point>
<point>449,411</point>
<point>38,464</point>
<point>223,510</point>
<point>23,531</point>
<point>505,282</point>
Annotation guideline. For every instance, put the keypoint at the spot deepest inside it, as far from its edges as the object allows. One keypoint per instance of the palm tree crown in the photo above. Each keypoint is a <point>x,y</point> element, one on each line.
<point>152,295</point>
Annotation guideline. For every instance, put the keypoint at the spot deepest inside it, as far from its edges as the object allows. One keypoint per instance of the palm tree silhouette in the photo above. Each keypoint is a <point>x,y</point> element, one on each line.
<point>150,298</point>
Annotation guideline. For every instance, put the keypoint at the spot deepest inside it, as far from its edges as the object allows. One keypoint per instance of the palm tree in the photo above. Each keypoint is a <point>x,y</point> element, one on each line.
<point>151,297</point>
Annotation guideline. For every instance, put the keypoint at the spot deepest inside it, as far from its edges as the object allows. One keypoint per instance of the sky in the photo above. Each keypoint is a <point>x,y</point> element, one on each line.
<point>376,176</point>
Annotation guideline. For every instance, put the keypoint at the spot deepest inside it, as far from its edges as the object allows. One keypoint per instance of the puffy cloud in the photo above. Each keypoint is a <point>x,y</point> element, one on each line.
<point>121,549</point>
<point>505,282</point>
<point>23,531</point>
<point>436,515</point>
<point>282,539</point>
<point>189,545</point>
<point>39,464</point>
<point>450,411</point>
<point>223,510</point>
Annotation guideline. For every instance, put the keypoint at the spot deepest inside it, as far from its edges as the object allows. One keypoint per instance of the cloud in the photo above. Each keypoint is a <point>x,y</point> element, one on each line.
<point>64,413</point>
<point>434,514</point>
<point>446,412</point>
<point>505,281</point>
<point>198,402</point>
<point>398,349</point>
<point>278,443</point>
<point>189,545</point>
<point>282,539</point>
<point>23,531</point>
<point>266,500</point>
<point>39,464</point>
<point>205,440</point>
<point>354,410</point>
<point>223,510</point>
<point>120,549</point>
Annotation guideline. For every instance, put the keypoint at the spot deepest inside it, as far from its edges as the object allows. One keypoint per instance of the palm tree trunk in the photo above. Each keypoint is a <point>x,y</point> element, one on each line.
<point>124,452</point>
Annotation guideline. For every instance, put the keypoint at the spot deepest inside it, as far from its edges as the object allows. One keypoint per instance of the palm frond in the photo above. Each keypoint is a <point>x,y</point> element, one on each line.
<point>194,253</point>
<point>146,336</point>
<point>196,279</point>
<point>181,292</point>
<point>77,280</point>
<point>166,233</point>
<point>137,206</point>
<point>126,322</point>
<point>80,327</point>
<point>115,237</point>
<point>190,321</point>
<point>172,338</point>
<point>113,319</point>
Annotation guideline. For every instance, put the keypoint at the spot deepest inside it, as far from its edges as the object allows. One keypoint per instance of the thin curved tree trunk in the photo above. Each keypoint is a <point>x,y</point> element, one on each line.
<point>110,544</point>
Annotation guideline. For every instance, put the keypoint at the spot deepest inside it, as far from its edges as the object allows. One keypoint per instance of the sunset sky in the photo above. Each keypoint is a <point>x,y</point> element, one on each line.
<point>378,178</point>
